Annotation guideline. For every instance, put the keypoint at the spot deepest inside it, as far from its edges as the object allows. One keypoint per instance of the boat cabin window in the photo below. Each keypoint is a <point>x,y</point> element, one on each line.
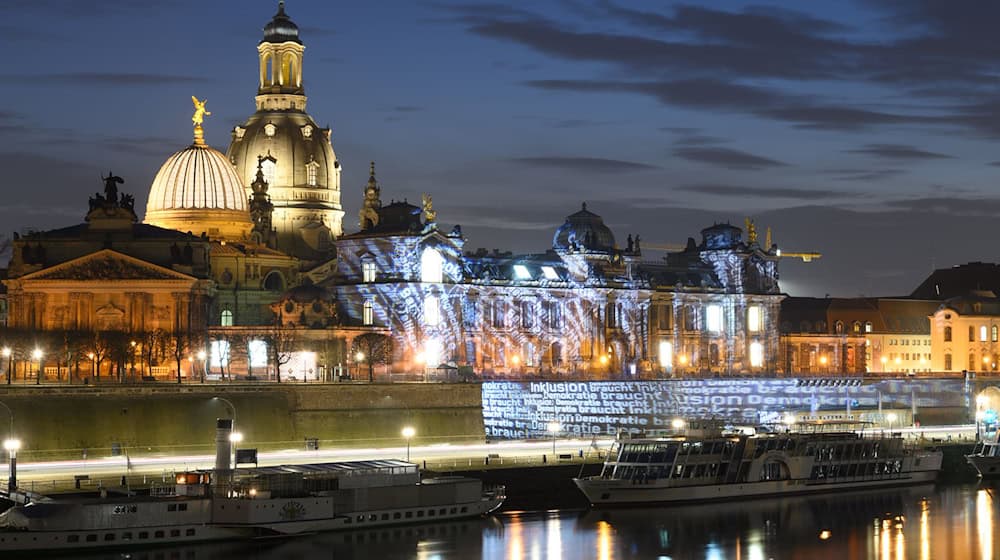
<point>175,532</point>
<point>189,533</point>
<point>109,537</point>
<point>397,515</point>
<point>73,538</point>
<point>143,535</point>
<point>158,534</point>
<point>91,538</point>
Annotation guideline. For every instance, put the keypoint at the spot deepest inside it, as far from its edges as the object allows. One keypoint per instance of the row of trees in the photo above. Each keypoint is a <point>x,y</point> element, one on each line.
<point>127,356</point>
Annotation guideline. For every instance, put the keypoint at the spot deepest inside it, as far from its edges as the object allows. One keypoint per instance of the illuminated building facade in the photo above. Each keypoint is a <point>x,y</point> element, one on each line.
<point>584,306</point>
<point>964,333</point>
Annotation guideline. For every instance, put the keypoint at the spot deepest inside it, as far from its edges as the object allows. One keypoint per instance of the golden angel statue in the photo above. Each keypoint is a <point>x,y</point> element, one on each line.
<point>428,207</point>
<point>199,111</point>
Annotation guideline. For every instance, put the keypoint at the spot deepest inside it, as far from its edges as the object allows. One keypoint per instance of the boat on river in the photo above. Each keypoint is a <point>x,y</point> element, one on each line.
<point>985,457</point>
<point>227,504</point>
<point>711,464</point>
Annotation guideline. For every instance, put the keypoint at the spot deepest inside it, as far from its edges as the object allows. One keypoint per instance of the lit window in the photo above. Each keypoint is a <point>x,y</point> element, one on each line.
<point>432,310</point>
<point>993,333</point>
<point>227,318</point>
<point>550,273</point>
<point>312,169</point>
<point>521,272</point>
<point>431,266</point>
<point>529,354</point>
<point>219,353</point>
<point>368,271</point>
<point>713,318</point>
<point>756,354</point>
<point>257,350</point>
<point>368,313</point>
<point>666,354</point>
<point>868,326</point>
<point>432,352</point>
<point>753,318</point>
<point>269,169</point>
<point>982,333</point>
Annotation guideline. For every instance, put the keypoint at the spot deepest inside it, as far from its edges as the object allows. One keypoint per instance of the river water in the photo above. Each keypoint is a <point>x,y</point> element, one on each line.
<point>954,522</point>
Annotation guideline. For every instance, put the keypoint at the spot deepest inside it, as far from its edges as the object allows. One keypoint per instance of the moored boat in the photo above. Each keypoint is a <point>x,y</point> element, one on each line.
<point>225,504</point>
<point>729,466</point>
<point>985,458</point>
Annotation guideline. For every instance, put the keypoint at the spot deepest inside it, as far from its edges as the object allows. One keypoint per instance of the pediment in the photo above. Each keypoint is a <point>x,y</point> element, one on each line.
<point>106,264</point>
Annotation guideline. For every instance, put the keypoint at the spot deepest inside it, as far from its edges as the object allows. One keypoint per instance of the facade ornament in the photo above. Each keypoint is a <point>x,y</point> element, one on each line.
<point>751,232</point>
<point>430,216</point>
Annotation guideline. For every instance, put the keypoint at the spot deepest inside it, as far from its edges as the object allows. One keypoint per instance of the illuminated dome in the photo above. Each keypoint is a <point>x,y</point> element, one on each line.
<point>281,28</point>
<point>198,190</point>
<point>583,230</point>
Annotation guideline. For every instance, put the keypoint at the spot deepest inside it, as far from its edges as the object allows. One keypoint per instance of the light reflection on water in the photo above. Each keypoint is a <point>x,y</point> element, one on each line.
<point>925,523</point>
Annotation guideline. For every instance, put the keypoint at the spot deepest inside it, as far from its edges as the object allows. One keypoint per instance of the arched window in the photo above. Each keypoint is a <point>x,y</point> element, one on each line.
<point>947,362</point>
<point>947,334</point>
<point>274,281</point>
<point>994,333</point>
<point>868,326</point>
<point>270,169</point>
<point>982,333</point>
<point>839,327</point>
<point>431,266</point>
<point>972,333</point>
<point>226,320</point>
<point>856,327</point>
<point>368,313</point>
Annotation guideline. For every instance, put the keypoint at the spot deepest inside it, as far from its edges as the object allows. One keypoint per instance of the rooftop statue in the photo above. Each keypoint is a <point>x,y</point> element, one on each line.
<point>199,111</point>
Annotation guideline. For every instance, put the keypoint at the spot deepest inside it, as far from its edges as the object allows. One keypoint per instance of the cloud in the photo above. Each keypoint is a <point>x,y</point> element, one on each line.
<point>115,79</point>
<point>764,192</point>
<point>726,157</point>
<point>898,152</point>
<point>867,175</point>
<point>589,164</point>
<point>975,206</point>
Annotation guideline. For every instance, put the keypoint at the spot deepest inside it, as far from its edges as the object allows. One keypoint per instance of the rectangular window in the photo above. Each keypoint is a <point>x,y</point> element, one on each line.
<point>497,312</point>
<point>368,313</point>
<point>219,353</point>
<point>756,354</point>
<point>664,316</point>
<point>368,271</point>
<point>713,318</point>
<point>666,354</point>
<point>550,273</point>
<point>432,310</point>
<point>552,313</point>
<point>527,314</point>
<point>521,272</point>
<point>982,333</point>
<point>257,351</point>
<point>311,170</point>
<point>753,318</point>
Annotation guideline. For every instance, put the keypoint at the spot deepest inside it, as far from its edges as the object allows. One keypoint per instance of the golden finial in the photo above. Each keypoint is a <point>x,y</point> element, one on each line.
<point>197,118</point>
<point>428,208</point>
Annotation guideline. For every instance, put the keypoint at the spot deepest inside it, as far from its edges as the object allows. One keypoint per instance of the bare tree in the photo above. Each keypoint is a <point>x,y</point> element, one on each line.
<point>375,348</point>
<point>280,344</point>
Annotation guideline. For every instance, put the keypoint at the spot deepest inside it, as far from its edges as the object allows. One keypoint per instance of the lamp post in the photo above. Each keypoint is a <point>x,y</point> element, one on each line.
<point>891,417</point>
<point>36,355</point>
<point>554,428</point>
<point>980,403</point>
<point>11,445</point>
<point>230,405</point>
<point>408,433</point>
<point>93,363</point>
<point>10,361</point>
<point>133,344</point>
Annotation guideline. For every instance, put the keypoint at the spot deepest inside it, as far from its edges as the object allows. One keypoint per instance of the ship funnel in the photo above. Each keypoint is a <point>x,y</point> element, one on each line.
<point>223,444</point>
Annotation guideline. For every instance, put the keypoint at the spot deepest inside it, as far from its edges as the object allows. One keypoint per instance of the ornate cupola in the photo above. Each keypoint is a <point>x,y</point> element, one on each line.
<point>300,167</point>
<point>368,216</point>
<point>281,65</point>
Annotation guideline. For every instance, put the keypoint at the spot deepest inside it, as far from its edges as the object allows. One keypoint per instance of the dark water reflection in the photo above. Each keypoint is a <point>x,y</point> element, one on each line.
<point>921,523</point>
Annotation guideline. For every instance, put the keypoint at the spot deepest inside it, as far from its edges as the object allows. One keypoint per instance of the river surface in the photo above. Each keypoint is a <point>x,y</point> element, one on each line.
<point>954,522</point>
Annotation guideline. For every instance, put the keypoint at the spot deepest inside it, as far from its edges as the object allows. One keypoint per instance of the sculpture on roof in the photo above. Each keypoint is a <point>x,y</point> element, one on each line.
<point>199,111</point>
<point>368,215</point>
<point>430,216</point>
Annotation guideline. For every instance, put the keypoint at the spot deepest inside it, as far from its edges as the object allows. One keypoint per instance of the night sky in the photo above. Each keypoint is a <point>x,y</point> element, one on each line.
<point>865,130</point>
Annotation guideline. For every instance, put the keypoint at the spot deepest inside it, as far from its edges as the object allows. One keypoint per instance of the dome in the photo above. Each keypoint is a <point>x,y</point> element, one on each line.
<point>721,236</point>
<point>584,230</point>
<point>281,28</point>
<point>198,190</point>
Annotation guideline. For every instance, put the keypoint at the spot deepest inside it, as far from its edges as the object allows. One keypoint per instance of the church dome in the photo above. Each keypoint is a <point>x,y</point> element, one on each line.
<point>583,230</point>
<point>198,190</point>
<point>281,28</point>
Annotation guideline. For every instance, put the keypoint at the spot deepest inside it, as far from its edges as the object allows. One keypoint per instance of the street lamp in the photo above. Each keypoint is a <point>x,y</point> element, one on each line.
<point>36,355</point>
<point>133,344</point>
<point>891,417</point>
<point>11,445</point>
<point>10,361</point>
<point>231,406</point>
<point>554,428</point>
<point>677,424</point>
<point>884,361</point>
<point>408,433</point>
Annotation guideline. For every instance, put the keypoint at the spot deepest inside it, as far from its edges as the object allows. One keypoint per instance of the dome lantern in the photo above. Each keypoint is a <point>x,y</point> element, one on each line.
<point>583,231</point>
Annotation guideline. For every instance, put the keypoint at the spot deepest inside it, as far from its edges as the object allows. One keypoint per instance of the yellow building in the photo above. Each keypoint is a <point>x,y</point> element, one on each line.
<point>965,332</point>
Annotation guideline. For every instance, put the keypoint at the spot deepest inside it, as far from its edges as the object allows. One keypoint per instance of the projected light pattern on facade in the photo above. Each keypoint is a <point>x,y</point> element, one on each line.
<point>585,306</point>
<point>521,409</point>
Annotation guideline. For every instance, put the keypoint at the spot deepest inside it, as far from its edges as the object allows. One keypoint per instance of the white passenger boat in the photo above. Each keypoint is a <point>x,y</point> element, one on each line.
<point>986,457</point>
<point>728,466</point>
<point>225,504</point>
